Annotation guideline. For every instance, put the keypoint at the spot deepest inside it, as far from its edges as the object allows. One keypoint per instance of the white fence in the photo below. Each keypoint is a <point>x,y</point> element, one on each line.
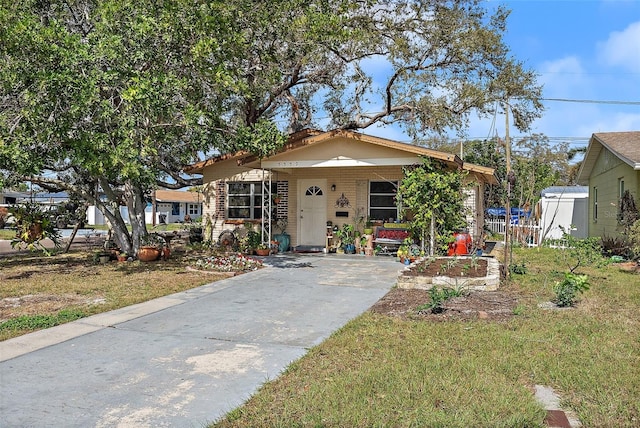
<point>528,234</point>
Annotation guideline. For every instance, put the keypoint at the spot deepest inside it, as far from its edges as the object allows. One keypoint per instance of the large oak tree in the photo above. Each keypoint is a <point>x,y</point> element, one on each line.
<point>113,97</point>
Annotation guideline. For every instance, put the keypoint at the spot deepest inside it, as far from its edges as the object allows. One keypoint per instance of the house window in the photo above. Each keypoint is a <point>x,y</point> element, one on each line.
<point>244,200</point>
<point>595,204</point>
<point>382,200</point>
<point>620,188</point>
<point>194,209</point>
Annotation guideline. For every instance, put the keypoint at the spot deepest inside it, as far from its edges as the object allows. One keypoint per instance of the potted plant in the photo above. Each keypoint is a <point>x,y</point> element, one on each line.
<point>150,247</point>
<point>32,226</point>
<point>363,244</point>
<point>195,231</point>
<point>282,236</point>
<point>111,248</point>
<point>263,250</point>
<point>368,227</point>
<point>403,253</point>
<point>122,256</point>
<point>348,238</point>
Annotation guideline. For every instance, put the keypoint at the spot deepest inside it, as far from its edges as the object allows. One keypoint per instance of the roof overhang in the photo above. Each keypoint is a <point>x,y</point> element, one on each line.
<point>337,149</point>
<point>597,143</point>
<point>591,156</point>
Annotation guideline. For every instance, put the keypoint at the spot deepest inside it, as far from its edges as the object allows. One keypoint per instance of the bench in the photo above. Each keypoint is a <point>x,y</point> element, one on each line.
<point>389,239</point>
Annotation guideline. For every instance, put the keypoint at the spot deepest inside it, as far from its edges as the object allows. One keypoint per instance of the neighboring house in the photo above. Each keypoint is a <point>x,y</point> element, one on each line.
<point>320,177</point>
<point>173,205</point>
<point>610,167</point>
<point>8,197</point>
<point>564,208</point>
<point>96,218</point>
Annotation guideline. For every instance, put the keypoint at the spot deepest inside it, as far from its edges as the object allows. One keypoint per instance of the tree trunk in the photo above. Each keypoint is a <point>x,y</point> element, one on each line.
<point>136,203</point>
<point>119,230</point>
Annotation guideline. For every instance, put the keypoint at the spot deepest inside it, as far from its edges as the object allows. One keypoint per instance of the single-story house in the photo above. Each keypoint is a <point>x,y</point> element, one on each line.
<point>8,197</point>
<point>172,206</point>
<point>564,208</point>
<point>610,167</point>
<point>319,177</point>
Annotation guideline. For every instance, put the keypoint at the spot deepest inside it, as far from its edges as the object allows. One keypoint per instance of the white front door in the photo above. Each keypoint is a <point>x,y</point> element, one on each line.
<point>312,203</point>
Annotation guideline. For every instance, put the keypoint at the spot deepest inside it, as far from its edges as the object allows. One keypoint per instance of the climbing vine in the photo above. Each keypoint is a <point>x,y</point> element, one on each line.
<point>431,190</point>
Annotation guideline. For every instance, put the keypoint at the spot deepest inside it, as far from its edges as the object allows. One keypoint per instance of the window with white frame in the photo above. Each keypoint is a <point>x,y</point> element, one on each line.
<point>382,200</point>
<point>620,188</point>
<point>193,209</point>
<point>244,200</point>
<point>595,204</point>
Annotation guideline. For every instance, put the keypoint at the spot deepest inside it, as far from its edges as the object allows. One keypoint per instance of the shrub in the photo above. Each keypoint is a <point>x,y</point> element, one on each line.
<point>437,296</point>
<point>583,252</point>
<point>567,290</point>
<point>616,246</point>
<point>151,240</point>
<point>634,240</point>
<point>519,269</point>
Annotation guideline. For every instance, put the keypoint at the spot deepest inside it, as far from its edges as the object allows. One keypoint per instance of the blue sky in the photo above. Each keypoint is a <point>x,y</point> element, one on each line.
<point>582,50</point>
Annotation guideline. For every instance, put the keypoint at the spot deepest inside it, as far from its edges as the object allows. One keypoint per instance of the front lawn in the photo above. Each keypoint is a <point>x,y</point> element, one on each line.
<point>38,292</point>
<point>383,371</point>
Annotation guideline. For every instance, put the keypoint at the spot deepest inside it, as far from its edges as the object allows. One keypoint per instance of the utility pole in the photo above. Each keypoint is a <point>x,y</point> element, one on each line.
<point>507,226</point>
<point>153,208</point>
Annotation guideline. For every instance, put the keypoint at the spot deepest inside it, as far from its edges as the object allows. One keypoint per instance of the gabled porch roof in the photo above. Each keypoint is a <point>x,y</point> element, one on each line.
<point>340,148</point>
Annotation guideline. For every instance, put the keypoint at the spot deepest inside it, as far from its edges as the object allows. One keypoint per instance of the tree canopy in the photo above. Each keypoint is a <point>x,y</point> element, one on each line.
<point>536,163</point>
<point>109,99</point>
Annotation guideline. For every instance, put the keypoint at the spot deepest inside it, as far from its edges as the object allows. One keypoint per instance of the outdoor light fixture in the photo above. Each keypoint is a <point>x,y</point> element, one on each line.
<point>333,187</point>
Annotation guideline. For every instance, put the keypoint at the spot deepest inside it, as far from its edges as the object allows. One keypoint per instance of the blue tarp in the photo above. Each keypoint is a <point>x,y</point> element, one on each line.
<point>501,212</point>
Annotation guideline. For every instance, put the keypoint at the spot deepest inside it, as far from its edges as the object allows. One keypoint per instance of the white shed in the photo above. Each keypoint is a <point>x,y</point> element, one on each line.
<point>564,207</point>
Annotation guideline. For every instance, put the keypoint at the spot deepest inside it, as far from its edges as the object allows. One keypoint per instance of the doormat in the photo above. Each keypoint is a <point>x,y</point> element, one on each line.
<point>304,249</point>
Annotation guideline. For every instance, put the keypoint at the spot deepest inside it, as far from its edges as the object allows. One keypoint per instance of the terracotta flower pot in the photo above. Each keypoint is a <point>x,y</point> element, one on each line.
<point>263,251</point>
<point>148,254</point>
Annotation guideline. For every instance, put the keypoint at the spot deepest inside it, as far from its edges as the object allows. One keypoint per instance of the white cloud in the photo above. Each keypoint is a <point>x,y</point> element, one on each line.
<point>622,48</point>
<point>562,77</point>
<point>618,123</point>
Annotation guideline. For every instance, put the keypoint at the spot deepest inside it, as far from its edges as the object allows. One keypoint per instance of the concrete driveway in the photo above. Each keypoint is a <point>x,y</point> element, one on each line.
<point>187,359</point>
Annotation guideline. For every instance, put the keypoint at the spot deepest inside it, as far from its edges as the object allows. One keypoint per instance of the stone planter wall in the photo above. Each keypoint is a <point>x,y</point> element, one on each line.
<point>490,282</point>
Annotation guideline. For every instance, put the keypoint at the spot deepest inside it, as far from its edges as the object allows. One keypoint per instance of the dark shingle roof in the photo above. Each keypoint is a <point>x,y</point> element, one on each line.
<point>624,144</point>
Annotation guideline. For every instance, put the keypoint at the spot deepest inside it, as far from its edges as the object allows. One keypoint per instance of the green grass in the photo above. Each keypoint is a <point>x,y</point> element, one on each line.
<point>64,287</point>
<point>7,234</point>
<point>37,322</point>
<point>384,372</point>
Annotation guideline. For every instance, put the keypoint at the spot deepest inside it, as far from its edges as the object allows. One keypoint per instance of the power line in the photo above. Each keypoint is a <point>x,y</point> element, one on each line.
<point>568,100</point>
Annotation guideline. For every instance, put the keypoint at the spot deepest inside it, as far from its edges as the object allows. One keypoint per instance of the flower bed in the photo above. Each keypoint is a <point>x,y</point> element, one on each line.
<point>228,263</point>
<point>420,277</point>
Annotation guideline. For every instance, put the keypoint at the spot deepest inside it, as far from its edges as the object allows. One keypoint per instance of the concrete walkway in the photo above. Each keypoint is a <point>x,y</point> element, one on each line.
<point>187,359</point>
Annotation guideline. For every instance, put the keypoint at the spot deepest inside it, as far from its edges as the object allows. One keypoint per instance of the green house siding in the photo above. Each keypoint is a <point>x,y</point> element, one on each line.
<point>606,176</point>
